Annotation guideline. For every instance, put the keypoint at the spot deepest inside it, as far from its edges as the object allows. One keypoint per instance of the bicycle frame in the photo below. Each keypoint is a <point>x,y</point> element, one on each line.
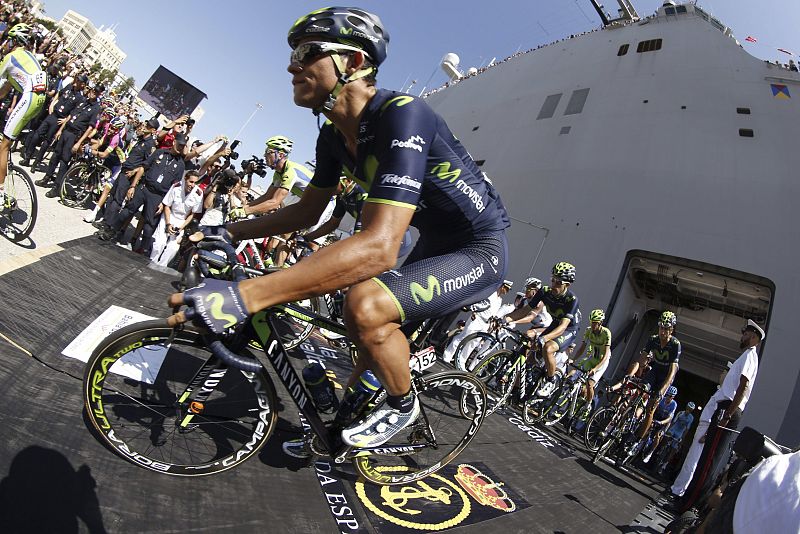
<point>263,326</point>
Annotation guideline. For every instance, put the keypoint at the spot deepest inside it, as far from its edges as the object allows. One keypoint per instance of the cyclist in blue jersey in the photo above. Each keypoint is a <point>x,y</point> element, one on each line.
<point>415,172</point>
<point>665,350</point>
<point>677,429</point>
<point>662,416</point>
<point>562,305</point>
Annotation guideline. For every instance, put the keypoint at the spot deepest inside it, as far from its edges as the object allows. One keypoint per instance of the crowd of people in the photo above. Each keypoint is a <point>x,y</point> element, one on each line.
<point>181,184</point>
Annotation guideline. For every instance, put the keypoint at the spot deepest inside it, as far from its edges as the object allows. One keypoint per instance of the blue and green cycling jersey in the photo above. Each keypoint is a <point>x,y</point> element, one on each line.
<point>559,307</point>
<point>406,156</point>
<point>663,357</point>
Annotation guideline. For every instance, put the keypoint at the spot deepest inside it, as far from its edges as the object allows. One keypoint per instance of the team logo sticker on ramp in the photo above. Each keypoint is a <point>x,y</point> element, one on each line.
<point>459,494</point>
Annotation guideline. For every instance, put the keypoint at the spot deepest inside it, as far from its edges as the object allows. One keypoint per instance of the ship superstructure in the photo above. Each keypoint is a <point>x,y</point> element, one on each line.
<point>659,157</point>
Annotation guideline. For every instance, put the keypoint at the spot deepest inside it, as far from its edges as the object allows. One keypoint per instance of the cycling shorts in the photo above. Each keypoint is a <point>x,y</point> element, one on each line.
<point>588,363</point>
<point>28,106</point>
<point>107,179</point>
<point>655,379</point>
<point>565,339</point>
<point>431,285</point>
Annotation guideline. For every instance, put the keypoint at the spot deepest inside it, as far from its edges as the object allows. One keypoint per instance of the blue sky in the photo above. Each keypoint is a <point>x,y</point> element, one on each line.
<point>236,51</point>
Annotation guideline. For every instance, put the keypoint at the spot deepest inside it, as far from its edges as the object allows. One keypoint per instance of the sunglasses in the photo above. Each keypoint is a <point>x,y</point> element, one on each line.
<point>305,52</point>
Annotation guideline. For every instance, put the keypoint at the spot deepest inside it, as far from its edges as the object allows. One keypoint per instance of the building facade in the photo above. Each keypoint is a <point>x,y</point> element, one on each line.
<point>99,46</point>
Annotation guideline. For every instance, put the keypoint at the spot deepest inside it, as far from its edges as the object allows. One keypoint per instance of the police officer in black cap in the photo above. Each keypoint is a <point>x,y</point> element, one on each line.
<point>60,108</point>
<point>72,133</point>
<point>122,190</point>
<point>161,170</point>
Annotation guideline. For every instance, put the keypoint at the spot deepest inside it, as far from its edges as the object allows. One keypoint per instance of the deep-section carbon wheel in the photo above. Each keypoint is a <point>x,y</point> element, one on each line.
<point>165,404</point>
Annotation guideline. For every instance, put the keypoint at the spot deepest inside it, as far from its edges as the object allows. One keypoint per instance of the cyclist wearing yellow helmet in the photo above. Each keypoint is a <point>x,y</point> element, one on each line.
<point>665,350</point>
<point>24,74</point>
<point>597,339</point>
<point>289,177</point>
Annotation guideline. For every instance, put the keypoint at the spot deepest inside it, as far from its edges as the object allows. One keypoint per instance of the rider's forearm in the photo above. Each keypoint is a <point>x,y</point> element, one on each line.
<point>520,314</point>
<point>329,226</point>
<point>263,207</point>
<point>285,220</point>
<point>341,264</point>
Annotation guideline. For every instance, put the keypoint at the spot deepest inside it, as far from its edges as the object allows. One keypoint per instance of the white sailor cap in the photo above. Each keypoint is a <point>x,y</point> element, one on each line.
<point>508,283</point>
<point>757,328</point>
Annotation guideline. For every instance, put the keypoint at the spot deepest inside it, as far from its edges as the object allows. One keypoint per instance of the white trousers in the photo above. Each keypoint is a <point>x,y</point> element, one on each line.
<point>696,449</point>
<point>472,326</point>
<point>165,246</point>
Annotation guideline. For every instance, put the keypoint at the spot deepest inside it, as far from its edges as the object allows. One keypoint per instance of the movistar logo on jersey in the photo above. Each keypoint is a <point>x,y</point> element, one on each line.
<point>462,281</point>
<point>442,171</point>
<point>217,300</point>
<point>472,195</point>
<point>393,179</point>
<point>425,294</point>
<point>414,142</point>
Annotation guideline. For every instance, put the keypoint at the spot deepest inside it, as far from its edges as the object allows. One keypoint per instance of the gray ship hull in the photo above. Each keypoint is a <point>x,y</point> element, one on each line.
<point>667,176</point>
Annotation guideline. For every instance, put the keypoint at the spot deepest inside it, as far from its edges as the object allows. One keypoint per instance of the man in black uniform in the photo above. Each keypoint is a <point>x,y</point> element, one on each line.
<point>63,104</point>
<point>145,145</point>
<point>72,133</point>
<point>161,170</point>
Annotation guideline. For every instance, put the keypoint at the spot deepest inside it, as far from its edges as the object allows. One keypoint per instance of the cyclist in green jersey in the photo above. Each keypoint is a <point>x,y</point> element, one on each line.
<point>20,71</point>
<point>597,339</point>
<point>289,177</point>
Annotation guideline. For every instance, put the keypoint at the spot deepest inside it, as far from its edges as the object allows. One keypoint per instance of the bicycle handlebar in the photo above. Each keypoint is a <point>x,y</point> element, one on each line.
<point>234,360</point>
<point>217,347</point>
<point>230,254</point>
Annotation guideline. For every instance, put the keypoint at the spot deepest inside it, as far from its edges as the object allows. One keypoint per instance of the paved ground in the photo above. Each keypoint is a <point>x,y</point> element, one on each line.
<point>57,477</point>
<point>55,224</point>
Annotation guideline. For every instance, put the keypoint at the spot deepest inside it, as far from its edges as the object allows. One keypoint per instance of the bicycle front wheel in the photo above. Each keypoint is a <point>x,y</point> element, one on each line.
<point>498,372</point>
<point>18,212</point>
<point>597,427</point>
<point>157,398</point>
<point>474,348</point>
<point>452,409</point>
<point>560,405</point>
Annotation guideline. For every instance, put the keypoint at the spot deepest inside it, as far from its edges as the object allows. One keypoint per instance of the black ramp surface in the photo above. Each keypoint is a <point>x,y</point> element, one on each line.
<point>56,477</point>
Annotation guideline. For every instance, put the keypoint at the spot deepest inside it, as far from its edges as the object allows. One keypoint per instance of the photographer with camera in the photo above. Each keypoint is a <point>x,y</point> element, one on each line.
<point>221,198</point>
<point>254,165</point>
<point>194,154</point>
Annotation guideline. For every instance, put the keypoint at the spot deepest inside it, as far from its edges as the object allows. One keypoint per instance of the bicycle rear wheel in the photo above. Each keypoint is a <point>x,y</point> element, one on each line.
<point>145,397</point>
<point>452,409</point>
<point>75,190</point>
<point>18,212</point>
